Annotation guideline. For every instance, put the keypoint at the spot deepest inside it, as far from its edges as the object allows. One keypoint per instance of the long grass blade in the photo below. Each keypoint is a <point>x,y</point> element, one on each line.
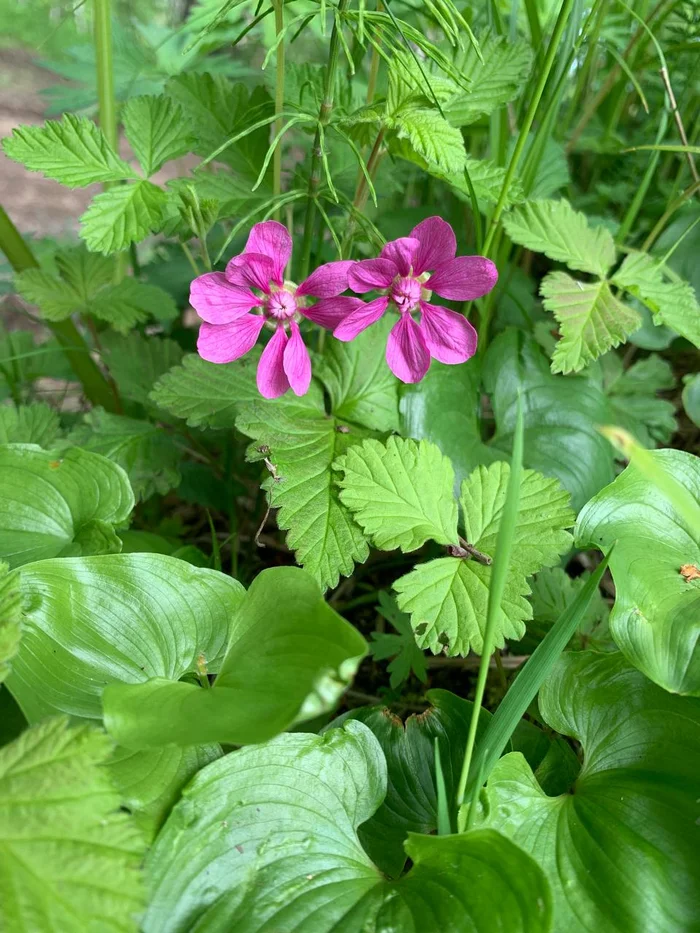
<point>443,811</point>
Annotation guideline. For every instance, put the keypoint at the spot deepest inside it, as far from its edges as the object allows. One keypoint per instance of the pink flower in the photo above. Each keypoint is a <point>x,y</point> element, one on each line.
<point>252,293</point>
<point>407,271</point>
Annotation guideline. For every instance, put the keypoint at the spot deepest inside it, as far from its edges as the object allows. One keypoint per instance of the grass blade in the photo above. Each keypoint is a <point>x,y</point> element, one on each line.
<point>443,812</point>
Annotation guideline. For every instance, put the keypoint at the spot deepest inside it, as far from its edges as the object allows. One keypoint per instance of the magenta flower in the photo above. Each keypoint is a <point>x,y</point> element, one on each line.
<point>407,271</point>
<point>252,293</point>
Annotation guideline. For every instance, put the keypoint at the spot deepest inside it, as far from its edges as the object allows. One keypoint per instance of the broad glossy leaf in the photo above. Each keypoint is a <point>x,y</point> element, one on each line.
<point>400,493</point>
<point>70,859</point>
<point>59,503</point>
<point>620,849</point>
<point>282,631</point>
<point>28,424</point>
<point>10,620</point>
<point>156,130</point>
<point>266,838</point>
<point>562,414</point>
<point>361,386</point>
<point>122,215</point>
<point>655,564</point>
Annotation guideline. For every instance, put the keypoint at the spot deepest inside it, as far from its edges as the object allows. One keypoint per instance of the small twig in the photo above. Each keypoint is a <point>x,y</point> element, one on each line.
<point>665,77</point>
<point>256,539</point>
<point>466,551</point>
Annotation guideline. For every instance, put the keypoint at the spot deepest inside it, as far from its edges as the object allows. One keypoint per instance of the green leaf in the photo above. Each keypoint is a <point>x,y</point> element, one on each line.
<point>125,214</point>
<point>282,630</point>
<point>279,827</point>
<point>137,361</point>
<point>447,598</point>
<point>129,303</point>
<point>55,298</point>
<point>302,443</point>
<point>29,424</point>
<point>401,493</point>
<point>10,619</point>
<point>621,847</point>
<point>561,416</point>
<point>591,320</point>
<point>407,656</point>
<point>147,454</point>
<point>71,859</point>
<point>72,151</point>
<point>59,504</point>
<point>410,805</point>
<point>632,398</point>
<point>691,397</point>
<point>432,137</point>
<point>672,303</point>
<point>207,394</point>
<point>654,566</point>
<point>361,386</point>
<point>499,79</point>
<point>557,230</point>
<point>156,130</point>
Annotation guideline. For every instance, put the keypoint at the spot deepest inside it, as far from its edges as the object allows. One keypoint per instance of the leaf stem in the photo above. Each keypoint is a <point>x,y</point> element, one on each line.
<point>105,73</point>
<point>316,154</point>
<point>279,104</point>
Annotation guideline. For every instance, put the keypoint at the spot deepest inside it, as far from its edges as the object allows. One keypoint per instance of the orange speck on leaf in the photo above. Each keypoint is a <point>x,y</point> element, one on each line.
<point>690,572</point>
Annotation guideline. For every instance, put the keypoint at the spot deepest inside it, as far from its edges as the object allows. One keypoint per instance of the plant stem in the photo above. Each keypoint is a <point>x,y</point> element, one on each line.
<point>529,119</point>
<point>323,120</point>
<point>362,190</point>
<point>279,105</point>
<point>668,213</point>
<point>94,384</point>
<point>105,73</point>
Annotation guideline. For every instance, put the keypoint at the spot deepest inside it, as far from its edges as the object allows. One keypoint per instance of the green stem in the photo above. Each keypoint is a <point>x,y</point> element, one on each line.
<point>641,191</point>
<point>529,119</point>
<point>362,190</point>
<point>94,384</point>
<point>105,72</point>
<point>279,105</point>
<point>323,120</point>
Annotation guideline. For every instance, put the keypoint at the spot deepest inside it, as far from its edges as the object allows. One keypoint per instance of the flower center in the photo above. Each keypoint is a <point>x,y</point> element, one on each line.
<point>405,292</point>
<point>281,304</point>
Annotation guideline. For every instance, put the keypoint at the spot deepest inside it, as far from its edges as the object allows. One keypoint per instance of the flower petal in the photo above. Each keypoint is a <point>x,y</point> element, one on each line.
<point>437,244</point>
<point>296,362</point>
<point>271,239</point>
<point>406,352</point>
<point>330,312</point>
<point>272,379</point>
<point>251,270</point>
<point>328,280</point>
<point>217,301</point>
<point>449,336</point>
<point>372,273</point>
<point>361,318</point>
<point>464,278</point>
<point>402,253</point>
<point>226,342</point>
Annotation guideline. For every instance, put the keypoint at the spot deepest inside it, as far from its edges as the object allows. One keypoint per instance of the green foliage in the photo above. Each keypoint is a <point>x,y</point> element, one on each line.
<point>28,424</point>
<point>156,130</point>
<point>10,620</point>
<point>125,214</point>
<point>402,647</point>
<point>691,398</point>
<point>654,620</point>
<point>136,362</point>
<point>71,859</point>
<point>65,503</point>
<point>633,400</point>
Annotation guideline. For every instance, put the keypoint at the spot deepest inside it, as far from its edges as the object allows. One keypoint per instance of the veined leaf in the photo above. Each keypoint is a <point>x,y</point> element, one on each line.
<point>432,137</point>
<point>157,131</point>
<point>655,567</point>
<point>303,443</point>
<point>303,865</point>
<point>10,619</point>
<point>633,807</point>
<point>72,151</point>
<point>672,303</point>
<point>147,454</point>
<point>125,214</point>
<point>401,493</point>
<point>691,397</point>
<point>361,386</point>
<point>28,424</point>
<point>137,361</point>
<point>401,646</point>
<point>130,302</point>
<point>71,859</point>
<point>447,598</point>
<point>633,400</point>
<point>557,230</point>
<point>59,504</point>
<point>591,320</point>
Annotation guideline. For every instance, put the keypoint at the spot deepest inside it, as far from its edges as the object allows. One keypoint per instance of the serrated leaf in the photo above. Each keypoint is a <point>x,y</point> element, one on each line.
<point>137,361</point>
<point>447,598</point>
<point>71,858</point>
<point>28,424</point>
<point>361,386</point>
<point>59,503</point>
<point>125,214</point>
<point>402,647</point>
<point>622,841</point>
<point>499,79</point>
<point>10,619</point>
<point>156,130</point>
<point>72,151</point>
<point>147,454</point>
<point>654,619</point>
<point>432,137</point>
<point>633,400</point>
<point>591,320</point>
<point>130,302</point>
<point>303,443</point>
<point>557,230</point>
<point>401,493</point>
<point>257,871</point>
<point>672,303</point>
<point>55,299</point>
